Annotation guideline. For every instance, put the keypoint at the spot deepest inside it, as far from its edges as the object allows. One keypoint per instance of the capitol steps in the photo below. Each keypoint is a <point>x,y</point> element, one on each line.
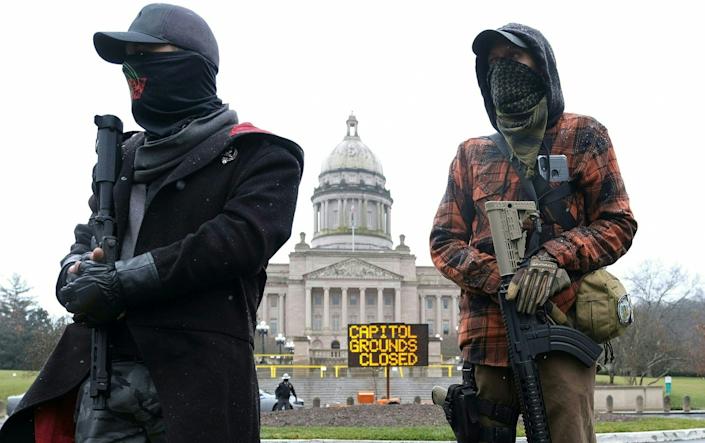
<point>333,391</point>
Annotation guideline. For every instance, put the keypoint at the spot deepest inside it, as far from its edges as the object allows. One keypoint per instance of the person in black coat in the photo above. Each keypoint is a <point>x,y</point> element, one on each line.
<point>202,202</point>
<point>283,393</point>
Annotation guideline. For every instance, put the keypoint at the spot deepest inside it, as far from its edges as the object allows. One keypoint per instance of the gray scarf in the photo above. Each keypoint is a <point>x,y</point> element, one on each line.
<point>157,157</point>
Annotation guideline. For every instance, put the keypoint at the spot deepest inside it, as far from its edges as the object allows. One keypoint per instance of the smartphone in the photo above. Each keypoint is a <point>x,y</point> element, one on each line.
<point>553,168</point>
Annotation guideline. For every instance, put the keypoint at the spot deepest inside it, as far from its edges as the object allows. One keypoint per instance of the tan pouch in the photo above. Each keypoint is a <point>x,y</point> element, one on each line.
<point>602,306</point>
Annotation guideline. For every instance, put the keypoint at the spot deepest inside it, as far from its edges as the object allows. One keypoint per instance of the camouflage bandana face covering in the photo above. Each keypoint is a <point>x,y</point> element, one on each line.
<point>514,86</point>
<point>519,96</point>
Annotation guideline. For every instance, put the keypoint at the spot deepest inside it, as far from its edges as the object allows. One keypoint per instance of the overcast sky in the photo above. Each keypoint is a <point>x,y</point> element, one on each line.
<point>298,68</point>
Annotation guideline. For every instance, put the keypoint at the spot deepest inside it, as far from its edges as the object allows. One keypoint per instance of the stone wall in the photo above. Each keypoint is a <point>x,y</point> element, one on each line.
<point>624,398</point>
<point>331,390</point>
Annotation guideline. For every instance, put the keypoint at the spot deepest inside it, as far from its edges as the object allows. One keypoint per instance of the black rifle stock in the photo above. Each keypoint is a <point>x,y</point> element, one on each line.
<point>107,147</point>
<point>527,335</point>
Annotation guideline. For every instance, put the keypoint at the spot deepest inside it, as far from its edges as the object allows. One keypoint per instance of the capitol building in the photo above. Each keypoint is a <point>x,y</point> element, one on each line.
<point>351,271</point>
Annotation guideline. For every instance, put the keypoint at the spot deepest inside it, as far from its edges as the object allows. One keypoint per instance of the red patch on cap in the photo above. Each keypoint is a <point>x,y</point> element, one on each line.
<point>136,87</point>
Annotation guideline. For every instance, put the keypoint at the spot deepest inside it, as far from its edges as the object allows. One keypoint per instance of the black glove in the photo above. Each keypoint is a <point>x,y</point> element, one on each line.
<point>65,276</point>
<point>96,294</point>
<point>103,292</point>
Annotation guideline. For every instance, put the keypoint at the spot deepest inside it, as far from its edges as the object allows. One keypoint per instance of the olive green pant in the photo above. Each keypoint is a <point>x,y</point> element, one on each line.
<point>568,391</point>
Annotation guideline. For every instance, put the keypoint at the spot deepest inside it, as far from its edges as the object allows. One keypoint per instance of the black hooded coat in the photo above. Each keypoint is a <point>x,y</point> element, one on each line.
<point>211,225</point>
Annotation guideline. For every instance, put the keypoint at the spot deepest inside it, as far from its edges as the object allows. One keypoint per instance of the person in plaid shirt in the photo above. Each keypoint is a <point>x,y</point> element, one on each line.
<point>516,72</point>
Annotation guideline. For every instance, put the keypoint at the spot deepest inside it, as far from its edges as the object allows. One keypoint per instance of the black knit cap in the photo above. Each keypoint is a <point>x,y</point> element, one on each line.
<point>160,23</point>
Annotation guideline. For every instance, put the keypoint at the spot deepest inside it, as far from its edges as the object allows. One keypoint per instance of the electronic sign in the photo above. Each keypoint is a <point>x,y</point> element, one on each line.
<point>387,344</point>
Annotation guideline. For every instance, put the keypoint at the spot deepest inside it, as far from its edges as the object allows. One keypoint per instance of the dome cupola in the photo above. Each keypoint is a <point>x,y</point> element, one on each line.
<point>352,154</point>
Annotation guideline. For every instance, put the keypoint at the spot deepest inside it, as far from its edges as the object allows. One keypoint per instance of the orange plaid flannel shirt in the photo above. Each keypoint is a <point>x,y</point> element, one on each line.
<point>461,242</point>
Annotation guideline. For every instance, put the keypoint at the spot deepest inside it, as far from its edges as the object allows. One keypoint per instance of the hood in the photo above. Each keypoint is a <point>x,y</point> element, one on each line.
<point>543,54</point>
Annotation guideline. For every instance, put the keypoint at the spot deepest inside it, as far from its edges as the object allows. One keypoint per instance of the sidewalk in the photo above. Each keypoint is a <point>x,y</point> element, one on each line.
<point>681,435</point>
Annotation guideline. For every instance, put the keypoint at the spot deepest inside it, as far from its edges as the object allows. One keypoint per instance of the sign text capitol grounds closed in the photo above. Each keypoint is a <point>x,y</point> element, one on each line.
<point>387,344</point>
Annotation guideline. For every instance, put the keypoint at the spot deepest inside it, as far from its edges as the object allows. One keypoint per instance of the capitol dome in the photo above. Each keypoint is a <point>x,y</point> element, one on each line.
<point>352,153</point>
<point>352,207</point>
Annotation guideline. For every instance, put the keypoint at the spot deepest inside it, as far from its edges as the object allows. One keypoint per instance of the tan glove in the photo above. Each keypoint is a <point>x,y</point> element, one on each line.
<point>534,283</point>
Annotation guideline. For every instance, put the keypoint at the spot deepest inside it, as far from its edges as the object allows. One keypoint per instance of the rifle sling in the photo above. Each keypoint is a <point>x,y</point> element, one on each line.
<point>550,199</point>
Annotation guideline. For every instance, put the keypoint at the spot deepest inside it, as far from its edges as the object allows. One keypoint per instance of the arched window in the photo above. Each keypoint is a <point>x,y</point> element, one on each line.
<point>335,344</point>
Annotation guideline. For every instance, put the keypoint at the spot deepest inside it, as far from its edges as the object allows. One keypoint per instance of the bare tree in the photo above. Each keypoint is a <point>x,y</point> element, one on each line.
<point>653,344</point>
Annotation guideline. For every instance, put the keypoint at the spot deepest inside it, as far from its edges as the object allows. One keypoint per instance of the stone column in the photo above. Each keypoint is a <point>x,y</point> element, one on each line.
<point>343,214</point>
<point>389,220</point>
<point>340,213</point>
<point>380,217</point>
<point>282,297</point>
<point>380,304</point>
<point>316,211</point>
<point>362,305</point>
<point>454,313</point>
<point>324,218</point>
<point>363,214</point>
<point>326,309</point>
<point>359,214</point>
<point>422,301</point>
<point>373,205</point>
<point>384,218</point>
<point>265,307</point>
<point>322,209</point>
<point>397,304</point>
<point>308,309</point>
<point>344,309</point>
<point>439,329</point>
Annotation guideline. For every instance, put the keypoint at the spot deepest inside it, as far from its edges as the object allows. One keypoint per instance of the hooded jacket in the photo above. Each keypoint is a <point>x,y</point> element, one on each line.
<point>546,64</point>
<point>461,240</point>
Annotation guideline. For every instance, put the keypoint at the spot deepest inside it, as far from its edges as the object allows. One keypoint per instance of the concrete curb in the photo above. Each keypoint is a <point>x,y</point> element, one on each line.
<point>616,437</point>
<point>652,436</point>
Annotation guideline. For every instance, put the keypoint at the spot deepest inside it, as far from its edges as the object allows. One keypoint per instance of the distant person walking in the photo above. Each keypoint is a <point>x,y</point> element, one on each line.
<point>283,393</point>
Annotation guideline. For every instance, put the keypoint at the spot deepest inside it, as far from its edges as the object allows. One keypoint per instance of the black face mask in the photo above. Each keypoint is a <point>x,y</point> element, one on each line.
<point>169,89</point>
<point>514,86</point>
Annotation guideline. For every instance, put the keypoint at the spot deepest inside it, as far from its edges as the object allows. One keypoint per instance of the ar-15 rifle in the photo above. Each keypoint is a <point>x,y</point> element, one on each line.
<point>527,335</point>
<point>107,147</point>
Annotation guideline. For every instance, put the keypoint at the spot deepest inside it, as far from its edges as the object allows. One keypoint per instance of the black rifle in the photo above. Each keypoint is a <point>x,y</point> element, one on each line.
<point>107,147</point>
<point>529,335</point>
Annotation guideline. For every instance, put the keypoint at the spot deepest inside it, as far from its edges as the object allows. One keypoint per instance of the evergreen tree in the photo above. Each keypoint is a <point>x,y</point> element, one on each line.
<point>27,332</point>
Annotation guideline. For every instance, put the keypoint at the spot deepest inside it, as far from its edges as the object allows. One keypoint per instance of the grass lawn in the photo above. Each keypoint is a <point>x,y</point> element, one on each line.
<point>680,386</point>
<point>14,384</point>
<point>444,432</point>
